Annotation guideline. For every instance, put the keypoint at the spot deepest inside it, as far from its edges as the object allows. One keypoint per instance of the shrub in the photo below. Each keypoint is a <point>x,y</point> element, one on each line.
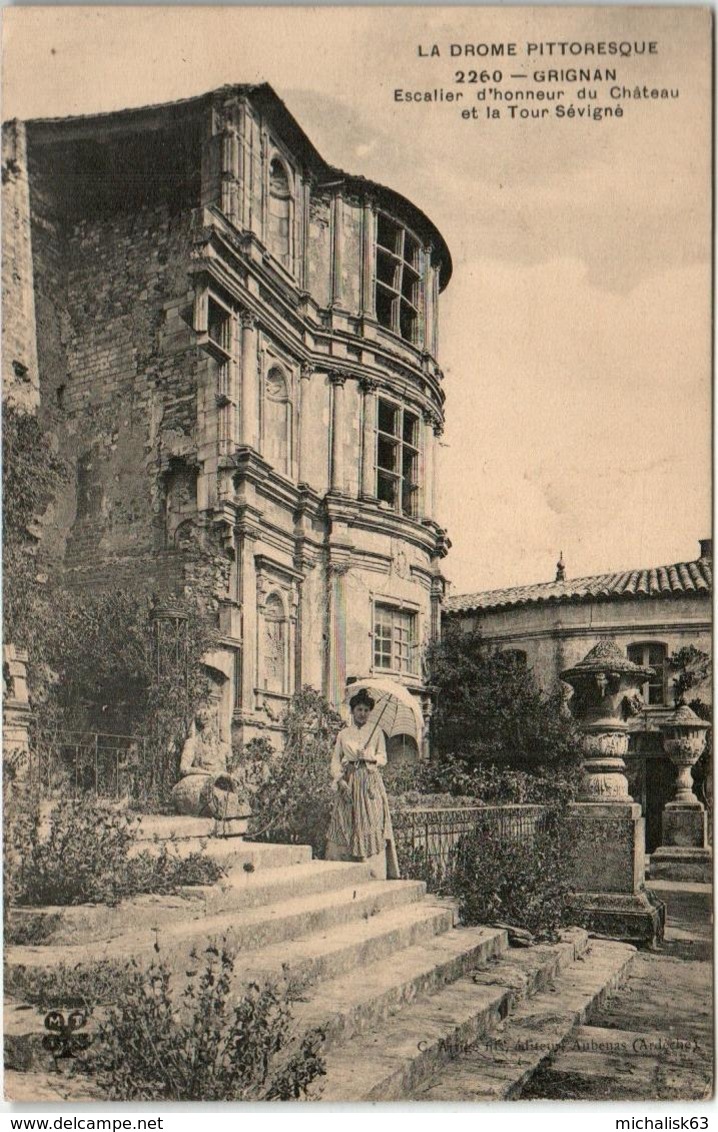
<point>489,709</point>
<point>454,780</point>
<point>205,1043</point>
<point>31,473</point>
<point>101,667</point>
<point>293,794</point>
<point>81,854</point>
<point>522,882</point>
<point>66,987</point>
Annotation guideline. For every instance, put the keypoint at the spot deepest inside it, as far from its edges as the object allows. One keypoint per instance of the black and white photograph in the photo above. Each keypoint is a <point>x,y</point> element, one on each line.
<point>357,557</point>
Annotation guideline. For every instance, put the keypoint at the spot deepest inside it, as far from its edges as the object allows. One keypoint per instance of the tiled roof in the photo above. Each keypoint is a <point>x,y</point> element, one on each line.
<point>680,579</point>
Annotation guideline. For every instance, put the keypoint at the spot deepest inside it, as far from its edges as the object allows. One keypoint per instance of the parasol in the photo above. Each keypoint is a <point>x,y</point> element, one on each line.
<point>395,710</point>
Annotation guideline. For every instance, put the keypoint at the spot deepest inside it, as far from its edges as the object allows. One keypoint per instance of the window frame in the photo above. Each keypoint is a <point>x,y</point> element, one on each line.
<point>662,670</point>
<point>287,265</point>
<point>395,293</point>
<point>400,445</point>
<point>395,611</point>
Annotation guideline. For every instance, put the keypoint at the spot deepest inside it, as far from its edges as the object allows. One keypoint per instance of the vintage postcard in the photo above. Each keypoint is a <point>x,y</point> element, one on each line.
<point>357,554</point>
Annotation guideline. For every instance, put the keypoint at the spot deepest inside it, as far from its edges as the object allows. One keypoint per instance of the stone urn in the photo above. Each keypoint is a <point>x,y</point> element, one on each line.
<point>606,695</point>
<point>684,737</point>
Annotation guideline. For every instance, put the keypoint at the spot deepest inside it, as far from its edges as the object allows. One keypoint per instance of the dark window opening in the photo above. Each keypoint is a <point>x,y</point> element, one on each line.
<point>219,326</point>
<point>398,279</point>
<point>397,458</point>
<point>651,656</point>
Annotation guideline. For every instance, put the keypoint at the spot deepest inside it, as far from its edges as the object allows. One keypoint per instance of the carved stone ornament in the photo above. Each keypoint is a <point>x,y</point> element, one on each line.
<point>684,736</point>
<point>605,686</point>
<point>248,319</point>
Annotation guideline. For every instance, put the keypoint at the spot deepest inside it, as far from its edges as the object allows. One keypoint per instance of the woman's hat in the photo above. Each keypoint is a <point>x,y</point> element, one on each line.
<point>361,697</point>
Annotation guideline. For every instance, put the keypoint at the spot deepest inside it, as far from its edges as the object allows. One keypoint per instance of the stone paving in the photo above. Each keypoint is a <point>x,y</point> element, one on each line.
<point>652,1039</point>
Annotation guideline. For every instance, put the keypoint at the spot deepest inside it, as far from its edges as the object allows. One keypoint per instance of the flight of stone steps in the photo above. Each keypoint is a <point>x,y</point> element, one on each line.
<point>397,987</point>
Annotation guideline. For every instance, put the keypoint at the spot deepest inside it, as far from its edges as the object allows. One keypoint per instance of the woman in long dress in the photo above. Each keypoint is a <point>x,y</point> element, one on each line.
<point>360,827</point>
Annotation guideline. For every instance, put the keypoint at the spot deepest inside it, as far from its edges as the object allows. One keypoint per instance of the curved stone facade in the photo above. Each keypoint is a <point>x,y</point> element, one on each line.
<point>237,347</point>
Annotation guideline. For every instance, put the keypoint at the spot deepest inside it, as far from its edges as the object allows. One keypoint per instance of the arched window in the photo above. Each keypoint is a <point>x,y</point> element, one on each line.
<point>275,645</point>
<point>277,421</point>
<point>651,655</point>
<point>280,213</point>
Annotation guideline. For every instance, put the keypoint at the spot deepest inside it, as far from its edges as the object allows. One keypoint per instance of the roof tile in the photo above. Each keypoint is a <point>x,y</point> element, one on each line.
<point>677,579</point>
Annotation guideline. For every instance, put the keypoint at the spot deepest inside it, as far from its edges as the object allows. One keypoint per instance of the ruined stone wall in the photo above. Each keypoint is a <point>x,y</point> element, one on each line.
<point>19,354</point>
<point>119,392</point>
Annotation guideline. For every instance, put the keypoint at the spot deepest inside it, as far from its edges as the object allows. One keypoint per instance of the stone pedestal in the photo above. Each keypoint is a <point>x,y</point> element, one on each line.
<point>609,839</point>
<point>608,872</point>
<point>684,853</point>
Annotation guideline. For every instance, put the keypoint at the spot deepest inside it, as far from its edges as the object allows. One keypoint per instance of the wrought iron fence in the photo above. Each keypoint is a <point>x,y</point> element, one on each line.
<point>105,764</point>
<point>427,839</point>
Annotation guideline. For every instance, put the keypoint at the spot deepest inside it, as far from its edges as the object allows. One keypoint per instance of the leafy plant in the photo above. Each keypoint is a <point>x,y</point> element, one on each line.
<point>81,854</point>
<point>64,986</point>
<point>490,711</point>
<point>99,669</point>
<point>454,779</point>
<point>205,1043</point>
<point>31,474</point>
<point>693,666</point>
<point>293,796</point>
<point>522,881</point>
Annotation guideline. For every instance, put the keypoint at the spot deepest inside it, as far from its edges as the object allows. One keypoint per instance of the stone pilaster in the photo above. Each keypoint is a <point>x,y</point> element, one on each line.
<point>338,473</point>
<point>368,476</point>
<point>305,424</point>
<point>249,430</point>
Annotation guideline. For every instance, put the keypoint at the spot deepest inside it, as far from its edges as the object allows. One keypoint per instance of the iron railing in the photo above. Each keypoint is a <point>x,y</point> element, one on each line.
<point>102,763</point>
<point>427,839</point>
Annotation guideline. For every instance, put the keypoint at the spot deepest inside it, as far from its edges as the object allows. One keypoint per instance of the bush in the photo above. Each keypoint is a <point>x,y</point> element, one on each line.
<point>205,1043</point>
<point>490,711</point>
<point>31,473</point>
<point>102,667</point>
<point>453,780</point>
<point>520,882</point>
<point>292,793</point>
<point>81,854</point>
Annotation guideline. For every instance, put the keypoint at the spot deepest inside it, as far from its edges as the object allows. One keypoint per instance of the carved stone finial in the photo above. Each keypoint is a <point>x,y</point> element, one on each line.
<point>560,568</point>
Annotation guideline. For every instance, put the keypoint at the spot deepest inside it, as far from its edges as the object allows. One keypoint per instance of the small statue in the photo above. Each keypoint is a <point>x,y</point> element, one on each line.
<point>206,788</point>
<point>204,750</point>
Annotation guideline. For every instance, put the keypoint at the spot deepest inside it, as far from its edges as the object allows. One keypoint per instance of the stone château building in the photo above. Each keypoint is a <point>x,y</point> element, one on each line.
<point>235,345</point>
<point>651,614</point>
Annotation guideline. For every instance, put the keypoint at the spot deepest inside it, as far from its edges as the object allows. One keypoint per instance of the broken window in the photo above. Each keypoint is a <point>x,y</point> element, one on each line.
<point>397,458</point>
<point>398,279</point>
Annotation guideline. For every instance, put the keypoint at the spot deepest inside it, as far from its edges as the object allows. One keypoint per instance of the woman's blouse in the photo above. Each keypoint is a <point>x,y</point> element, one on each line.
<point>356,743</point>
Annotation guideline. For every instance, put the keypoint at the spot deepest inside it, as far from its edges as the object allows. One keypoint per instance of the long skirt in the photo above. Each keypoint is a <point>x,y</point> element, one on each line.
<point>360,827</point>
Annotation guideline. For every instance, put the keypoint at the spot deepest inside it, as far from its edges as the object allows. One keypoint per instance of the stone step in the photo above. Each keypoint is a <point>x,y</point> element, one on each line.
<point>231,852</point>
<point>394,1058</point>
<point>239,889</point>
<point>354,1002</point>
<point>331,955</point>
<point>245,930</point>
<point>501,1065</point>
